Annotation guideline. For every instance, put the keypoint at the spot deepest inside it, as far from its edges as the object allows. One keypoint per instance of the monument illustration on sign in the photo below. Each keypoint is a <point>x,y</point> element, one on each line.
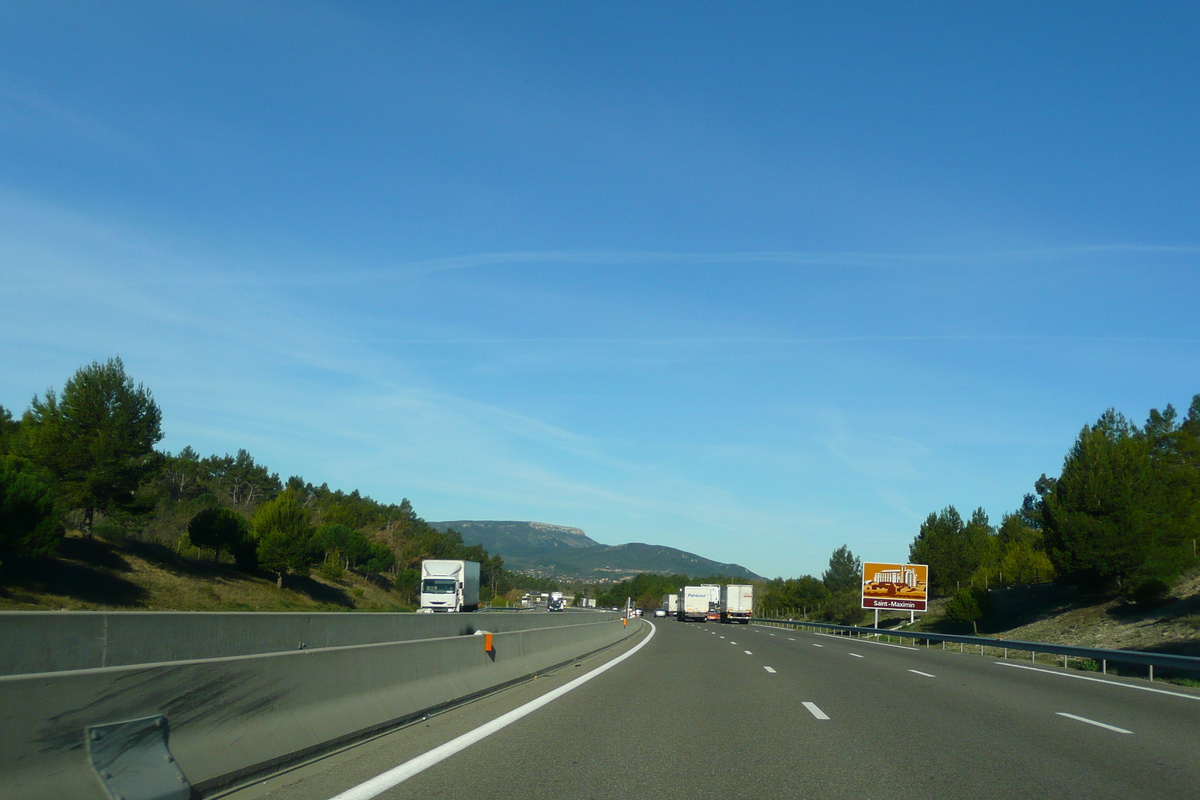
<point>901,587</point>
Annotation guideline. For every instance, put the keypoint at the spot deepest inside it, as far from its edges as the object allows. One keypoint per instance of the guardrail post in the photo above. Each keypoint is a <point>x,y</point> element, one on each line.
<point>1152,673</point>
<point>1104,666</point>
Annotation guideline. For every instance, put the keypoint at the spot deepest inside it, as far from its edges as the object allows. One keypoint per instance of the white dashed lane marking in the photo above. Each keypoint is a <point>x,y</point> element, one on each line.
<point>816,712</point>
<point>856,655</point>
<point>747,652</point>
<point>918,672</point>
<point>768,669</point>
<point>1092,722</point>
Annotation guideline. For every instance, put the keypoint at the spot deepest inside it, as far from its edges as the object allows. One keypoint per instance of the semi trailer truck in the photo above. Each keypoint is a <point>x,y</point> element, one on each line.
<point>737,603</point>
<point>692,602</point>
<point>449,585</point>
<point>670,604</point>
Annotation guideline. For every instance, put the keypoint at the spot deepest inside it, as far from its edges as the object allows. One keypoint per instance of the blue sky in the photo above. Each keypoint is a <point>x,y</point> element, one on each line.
<point>751,280</point>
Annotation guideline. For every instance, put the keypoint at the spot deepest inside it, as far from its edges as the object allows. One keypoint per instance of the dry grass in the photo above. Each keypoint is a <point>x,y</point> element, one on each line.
<point>98,575</point>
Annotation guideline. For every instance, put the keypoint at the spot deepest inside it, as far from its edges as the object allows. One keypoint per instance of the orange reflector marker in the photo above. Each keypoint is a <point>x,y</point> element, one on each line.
<point>487,643</point>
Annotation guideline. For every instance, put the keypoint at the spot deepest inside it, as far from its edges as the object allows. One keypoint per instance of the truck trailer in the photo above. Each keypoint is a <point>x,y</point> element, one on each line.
<point>449,585</point>
<point>692,604</point>
<point>670,604</point>
<point>714,601</point>
<point>737,603</point>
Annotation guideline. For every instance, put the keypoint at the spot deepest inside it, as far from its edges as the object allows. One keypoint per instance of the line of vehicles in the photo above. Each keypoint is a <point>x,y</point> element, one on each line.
<point>450,585</point>
<point>711,602</point>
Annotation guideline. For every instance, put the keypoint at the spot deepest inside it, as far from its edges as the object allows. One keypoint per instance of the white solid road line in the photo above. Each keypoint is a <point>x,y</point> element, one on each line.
<point>886,644</point>
<point>816,712</point>
<point>770,670</point>
<point>1092,722</point>
<point>397,775</point>
<point>856,655</point>
<point>918,672</point>
<point>1099,680</point>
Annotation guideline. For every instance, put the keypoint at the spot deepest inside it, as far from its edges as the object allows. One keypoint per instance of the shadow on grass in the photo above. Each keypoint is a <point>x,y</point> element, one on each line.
<point>320,592</point>
<point>83,582</point>
<point>168,559</point>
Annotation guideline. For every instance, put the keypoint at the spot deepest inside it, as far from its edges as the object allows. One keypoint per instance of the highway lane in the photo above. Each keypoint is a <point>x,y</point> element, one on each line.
<point>697,713</point>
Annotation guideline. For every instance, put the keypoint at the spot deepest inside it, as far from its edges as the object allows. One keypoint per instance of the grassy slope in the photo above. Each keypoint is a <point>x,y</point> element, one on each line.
<point>96,575</point>
<point>1062,614</point>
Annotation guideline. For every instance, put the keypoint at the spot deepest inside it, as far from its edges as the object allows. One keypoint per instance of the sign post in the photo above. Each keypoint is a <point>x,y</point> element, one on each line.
<point>902,587</point>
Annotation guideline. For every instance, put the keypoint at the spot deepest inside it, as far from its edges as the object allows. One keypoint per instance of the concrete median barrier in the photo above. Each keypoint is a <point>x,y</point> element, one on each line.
<point>229,718</point>
<point>49,641</point>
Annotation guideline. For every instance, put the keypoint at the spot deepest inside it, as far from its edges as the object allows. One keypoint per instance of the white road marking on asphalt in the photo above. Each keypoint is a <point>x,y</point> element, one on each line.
<point>816,712</point>
<point>733,642</point>
<point>887,644</point>
<point>747,652</point>
<point>722,637</point>
<point>770,634</point>
<point>856,655</point>
<point>768,669</point>
<point>818,645</point>
<point>790,639</point>
<point>1092,722</point>
<point>397,775</point>
<point>918,672</point>
<point>1099,680</point>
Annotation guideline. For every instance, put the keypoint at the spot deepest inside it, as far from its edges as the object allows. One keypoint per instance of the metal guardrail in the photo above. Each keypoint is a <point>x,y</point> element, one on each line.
<point>1099,655</point>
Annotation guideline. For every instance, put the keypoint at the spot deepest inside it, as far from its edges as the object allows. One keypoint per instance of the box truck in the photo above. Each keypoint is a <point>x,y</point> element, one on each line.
<point>449,585</point>
<point>737,603</point>
<point>714,601</point>
<point>692,604</point>
<point>670,604</point>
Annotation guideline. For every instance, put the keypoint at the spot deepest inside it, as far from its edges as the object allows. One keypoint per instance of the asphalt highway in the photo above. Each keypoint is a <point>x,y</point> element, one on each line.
<point>731,711</point>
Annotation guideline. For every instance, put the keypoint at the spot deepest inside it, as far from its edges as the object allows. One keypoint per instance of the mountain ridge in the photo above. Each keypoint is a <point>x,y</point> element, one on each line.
<point>567,553</point>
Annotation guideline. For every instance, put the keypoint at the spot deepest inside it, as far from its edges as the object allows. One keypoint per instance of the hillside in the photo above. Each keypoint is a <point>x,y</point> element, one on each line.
<point>555,551</point>
<point>1064,615</point>
<point>91,575</point>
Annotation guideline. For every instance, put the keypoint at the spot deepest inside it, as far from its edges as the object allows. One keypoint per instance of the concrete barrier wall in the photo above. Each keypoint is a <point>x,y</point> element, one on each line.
<point>236,716</point>
<point>49,641</point>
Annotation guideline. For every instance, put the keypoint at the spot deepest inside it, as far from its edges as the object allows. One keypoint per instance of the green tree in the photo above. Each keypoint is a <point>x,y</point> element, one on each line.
<point>845,607</point>
<point>1123,510</point>
<point>27,522</point>
<point>218,529</point>
<point>968,604</point>
<point>239,480</point>
<point>8,430</point>
<point>844,573</point>
<point>282,527</point>
<point>952,549</point>
<point>97,439</point>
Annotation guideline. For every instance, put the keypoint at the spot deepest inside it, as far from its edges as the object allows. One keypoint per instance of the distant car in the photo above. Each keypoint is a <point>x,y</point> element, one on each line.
<point>660,612</point>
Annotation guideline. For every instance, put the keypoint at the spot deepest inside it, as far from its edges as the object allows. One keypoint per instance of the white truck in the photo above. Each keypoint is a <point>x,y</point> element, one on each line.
<point>714,601</point>
<point>556,602</point>
<point>449,585</point>
<point>692,604</point>
<point>670,604</point>
<point>737,603</point>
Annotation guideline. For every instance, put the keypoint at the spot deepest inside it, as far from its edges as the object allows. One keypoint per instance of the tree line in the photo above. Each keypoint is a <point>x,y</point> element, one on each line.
<point>84,459</point>
<point>1123,516</point>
